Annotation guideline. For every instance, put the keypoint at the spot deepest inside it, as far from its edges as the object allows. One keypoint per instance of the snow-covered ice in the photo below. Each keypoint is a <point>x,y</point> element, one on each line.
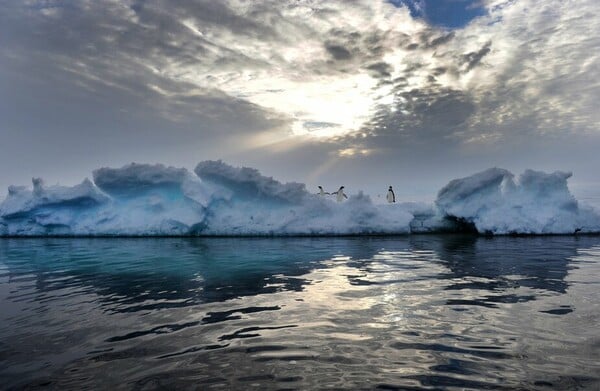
<point>218,199</point>
<point>536,203</point>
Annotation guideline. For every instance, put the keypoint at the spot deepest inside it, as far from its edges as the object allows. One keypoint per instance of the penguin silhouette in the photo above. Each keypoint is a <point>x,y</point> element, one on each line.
<point>322,192</point>
<point>391,197</point>
<point>340,194</point>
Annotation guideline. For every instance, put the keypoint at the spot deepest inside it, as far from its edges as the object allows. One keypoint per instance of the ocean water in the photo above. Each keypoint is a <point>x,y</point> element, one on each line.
<point>410,312</point>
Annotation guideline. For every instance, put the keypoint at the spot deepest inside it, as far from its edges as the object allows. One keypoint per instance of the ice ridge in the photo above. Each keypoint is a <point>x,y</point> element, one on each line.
<point>219,199</point>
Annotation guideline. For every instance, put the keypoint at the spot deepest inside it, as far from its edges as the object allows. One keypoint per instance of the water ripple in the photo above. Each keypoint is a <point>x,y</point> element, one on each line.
<point>406,313</point>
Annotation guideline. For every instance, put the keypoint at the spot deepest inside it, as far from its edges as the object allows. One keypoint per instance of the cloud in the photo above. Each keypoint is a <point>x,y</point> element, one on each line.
<point>323,77</point>
<point>380,69</point>
<point>472,59</point>
<point>338,52</point>
<point>520,74</point>
<point>311,62</point>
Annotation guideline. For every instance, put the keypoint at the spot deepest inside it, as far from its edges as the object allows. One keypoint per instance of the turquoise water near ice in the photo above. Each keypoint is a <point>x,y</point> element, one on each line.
<point>409,312</point>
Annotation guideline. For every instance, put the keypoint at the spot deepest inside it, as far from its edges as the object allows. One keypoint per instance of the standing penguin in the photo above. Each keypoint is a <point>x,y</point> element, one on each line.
<point>391,197</point>
<point>322,192</point>
<point>340,194</point>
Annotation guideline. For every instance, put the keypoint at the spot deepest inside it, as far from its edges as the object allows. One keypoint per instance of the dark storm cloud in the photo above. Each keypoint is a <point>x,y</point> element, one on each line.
<point>439,71</point>
<point>380,69</point>
<point>472,59</point>
<point>423,116</point>
<point>433,40</point>
<point>357,50</point>
<point>338,52</point>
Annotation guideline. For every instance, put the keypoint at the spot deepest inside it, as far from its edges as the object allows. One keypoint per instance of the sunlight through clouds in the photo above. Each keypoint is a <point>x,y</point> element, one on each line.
<point>321,87</point>
<point>301,86</point>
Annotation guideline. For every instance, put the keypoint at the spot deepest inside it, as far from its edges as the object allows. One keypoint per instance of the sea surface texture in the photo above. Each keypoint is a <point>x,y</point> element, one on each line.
<point>412,312</point>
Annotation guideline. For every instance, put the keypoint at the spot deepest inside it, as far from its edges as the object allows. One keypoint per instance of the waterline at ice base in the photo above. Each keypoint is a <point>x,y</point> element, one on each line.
<point>218,199</point>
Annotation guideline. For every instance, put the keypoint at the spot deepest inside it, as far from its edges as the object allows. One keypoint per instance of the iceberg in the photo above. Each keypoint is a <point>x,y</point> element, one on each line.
<point>217,199</point>
<point>150,200</point>
<point>494,202</point>
<point>244,202</point>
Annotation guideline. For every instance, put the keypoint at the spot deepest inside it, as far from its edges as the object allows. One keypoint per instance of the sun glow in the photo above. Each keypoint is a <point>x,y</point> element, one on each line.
<point>324,106</point>
<point>323,95</point>
<point>286,77</point>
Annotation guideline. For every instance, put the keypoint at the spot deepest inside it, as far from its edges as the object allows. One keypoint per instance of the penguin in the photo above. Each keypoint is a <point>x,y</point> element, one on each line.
<point>391,197</point>
<point>322,192</point>
<point>340,194</point>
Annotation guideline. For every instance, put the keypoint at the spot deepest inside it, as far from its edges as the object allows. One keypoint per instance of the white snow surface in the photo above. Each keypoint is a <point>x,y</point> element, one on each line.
<point>535,203</point>
<point>218,199</point>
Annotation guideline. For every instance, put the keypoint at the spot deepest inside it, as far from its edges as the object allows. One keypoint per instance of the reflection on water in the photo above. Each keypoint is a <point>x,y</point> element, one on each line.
<point>413,312</point>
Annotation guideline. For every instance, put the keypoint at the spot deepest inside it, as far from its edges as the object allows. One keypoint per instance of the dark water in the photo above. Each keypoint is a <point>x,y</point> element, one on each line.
<point>414,312</point>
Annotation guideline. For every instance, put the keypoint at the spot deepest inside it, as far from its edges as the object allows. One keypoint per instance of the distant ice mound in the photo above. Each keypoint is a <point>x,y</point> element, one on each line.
<point>537,203</point>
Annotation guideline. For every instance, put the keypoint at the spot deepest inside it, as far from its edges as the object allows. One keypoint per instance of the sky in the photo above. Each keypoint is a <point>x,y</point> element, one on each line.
<point>361,93</point>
